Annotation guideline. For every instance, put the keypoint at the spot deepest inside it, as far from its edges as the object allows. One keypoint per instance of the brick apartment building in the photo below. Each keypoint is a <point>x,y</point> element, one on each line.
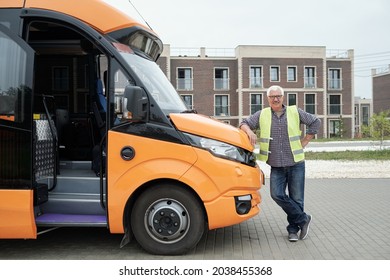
<point>229,86</point>
<point>381,89</point>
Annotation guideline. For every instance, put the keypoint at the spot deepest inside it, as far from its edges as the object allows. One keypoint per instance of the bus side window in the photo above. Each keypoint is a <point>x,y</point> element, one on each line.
<point>12,79</point>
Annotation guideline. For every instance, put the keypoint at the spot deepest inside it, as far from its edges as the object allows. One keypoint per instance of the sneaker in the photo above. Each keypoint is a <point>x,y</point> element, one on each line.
<point>292,237</point>
<point>305,228</point>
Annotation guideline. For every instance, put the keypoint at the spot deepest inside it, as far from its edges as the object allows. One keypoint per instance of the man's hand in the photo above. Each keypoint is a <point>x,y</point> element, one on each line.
<point>306,140</point>
<point>251,135</point>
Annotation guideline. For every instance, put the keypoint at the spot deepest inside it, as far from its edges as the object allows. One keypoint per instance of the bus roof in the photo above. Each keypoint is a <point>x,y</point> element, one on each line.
<point>96,13</point>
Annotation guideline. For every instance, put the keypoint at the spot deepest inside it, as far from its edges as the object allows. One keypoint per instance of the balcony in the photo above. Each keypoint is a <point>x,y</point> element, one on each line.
<point>310,82</point>
<point>221,110</point>
<point>184,84</point>
<point>334,84</point>
<point>256,82</point>
<point>221,84</point>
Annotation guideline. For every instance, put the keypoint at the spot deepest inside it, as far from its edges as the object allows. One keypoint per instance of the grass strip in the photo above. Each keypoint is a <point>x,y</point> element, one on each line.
<point>349,155</point>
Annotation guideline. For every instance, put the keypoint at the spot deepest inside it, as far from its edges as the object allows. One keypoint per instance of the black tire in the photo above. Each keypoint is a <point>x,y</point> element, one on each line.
<point>167,220</point>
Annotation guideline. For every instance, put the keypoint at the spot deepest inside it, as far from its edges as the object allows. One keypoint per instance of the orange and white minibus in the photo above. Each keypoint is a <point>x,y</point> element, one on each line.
<point>93,134</point>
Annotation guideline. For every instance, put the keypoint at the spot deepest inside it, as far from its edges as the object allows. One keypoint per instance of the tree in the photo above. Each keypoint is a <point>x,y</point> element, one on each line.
<point>379,126</point>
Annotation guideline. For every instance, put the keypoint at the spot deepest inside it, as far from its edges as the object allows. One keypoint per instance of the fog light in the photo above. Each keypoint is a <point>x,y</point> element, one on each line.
<point>243,204</point>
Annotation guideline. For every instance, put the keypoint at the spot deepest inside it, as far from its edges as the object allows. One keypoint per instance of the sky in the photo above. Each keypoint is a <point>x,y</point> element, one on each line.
<point>360,25</point>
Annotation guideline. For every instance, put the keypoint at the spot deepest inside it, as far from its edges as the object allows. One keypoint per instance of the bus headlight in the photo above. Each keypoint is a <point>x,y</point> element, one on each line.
<point>222,149</point>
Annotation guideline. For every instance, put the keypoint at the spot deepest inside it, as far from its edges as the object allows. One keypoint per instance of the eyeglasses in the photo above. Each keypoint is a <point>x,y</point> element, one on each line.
<point>275,96</point>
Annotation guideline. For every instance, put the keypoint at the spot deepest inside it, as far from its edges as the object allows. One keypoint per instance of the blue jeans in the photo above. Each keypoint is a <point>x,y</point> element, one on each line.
<point>287,186</point>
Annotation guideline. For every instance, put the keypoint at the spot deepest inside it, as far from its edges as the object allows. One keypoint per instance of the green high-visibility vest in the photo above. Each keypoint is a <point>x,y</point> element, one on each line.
<point>294,133</point>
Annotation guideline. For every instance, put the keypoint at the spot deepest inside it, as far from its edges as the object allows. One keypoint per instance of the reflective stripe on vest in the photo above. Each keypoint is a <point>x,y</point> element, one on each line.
<point>294,133</point>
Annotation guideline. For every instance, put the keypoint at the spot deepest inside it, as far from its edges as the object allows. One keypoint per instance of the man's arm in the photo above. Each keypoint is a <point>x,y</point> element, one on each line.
<point>251,135</point>
<point>313,125</point>
<point>249,124</point>
<point>305,140</point>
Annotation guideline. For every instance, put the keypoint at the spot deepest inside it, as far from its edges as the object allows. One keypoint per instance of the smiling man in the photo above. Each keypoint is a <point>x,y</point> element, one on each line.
<point>281,147</point>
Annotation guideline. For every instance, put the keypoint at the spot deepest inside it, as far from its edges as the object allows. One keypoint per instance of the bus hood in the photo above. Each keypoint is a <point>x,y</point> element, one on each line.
<point>211,128</point>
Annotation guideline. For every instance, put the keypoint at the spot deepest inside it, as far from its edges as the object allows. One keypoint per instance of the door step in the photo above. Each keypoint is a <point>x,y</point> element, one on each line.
<point>71,220</point>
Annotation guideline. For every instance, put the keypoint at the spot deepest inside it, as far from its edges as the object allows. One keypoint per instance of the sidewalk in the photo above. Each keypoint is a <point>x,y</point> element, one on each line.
<point>351,221</point>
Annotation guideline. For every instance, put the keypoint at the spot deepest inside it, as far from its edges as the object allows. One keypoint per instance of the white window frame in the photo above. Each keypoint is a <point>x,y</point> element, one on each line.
<point>295,73</point>
<point>333,105</point>
<point>288,98</point>
<point>254,81</point>
<point>227,105</point>
<point>225,81</point>
<point>310,81</point>
<point>188,81</point>
<point>250,102</point>
<point>336,82</point>
<point>314,104</point>
<point>278,73</point>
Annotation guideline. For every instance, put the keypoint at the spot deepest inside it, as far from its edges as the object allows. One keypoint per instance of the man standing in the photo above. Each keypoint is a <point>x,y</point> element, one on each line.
<point>281,147</point>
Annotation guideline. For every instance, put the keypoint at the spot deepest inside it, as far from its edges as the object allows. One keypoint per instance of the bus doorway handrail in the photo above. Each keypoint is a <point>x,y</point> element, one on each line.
<point>102,172</point>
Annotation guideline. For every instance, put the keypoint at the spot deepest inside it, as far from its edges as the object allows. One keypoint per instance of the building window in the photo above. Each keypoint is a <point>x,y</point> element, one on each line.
<point>291,74</point>
<point>310,77</point>
<point>334,104</point>
<point>310,103</point>
<point>188,100</point>
<point>365,115</point>
<point>256,102</point>
<point>274,73</point>
<point>334,128</point>
<point>334,79</point>
<point>184,79</point>
<point>292,99</point>
<point>256,79</point>
<point>221,78</point>
<point>221,105</point>
<point>60,78</point>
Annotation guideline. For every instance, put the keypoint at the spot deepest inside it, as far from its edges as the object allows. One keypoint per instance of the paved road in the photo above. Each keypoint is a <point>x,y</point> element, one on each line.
<point>351,221</point>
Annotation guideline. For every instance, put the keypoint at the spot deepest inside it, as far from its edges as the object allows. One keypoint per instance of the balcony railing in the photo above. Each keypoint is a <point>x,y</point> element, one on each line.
<point>221,110</point>
<point>184,83</point>
<point>310,82</point>
<point>334,83</point>
<point>221,84</point>
<point>256,82</point>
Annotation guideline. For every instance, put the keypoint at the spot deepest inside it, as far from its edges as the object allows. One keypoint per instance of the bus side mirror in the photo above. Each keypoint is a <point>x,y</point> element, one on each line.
<point>136,103</point>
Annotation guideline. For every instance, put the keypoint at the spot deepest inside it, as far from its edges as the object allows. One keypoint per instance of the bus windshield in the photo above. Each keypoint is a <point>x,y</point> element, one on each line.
<point>156,83</point>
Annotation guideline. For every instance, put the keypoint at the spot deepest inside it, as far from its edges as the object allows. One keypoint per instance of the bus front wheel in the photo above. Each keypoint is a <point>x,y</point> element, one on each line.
<point>167,220</point>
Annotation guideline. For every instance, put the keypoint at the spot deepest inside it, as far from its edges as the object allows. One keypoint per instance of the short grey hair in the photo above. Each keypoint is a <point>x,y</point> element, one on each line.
<point>275,88</point>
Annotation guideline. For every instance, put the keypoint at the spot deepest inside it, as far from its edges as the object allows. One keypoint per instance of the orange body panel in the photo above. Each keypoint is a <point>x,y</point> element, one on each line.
<point>16,214</point>
<point>220,211</point>
<point>11,3</point>
<point>215,180</point>
<point>96,13</point>
<point>153,160</point>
